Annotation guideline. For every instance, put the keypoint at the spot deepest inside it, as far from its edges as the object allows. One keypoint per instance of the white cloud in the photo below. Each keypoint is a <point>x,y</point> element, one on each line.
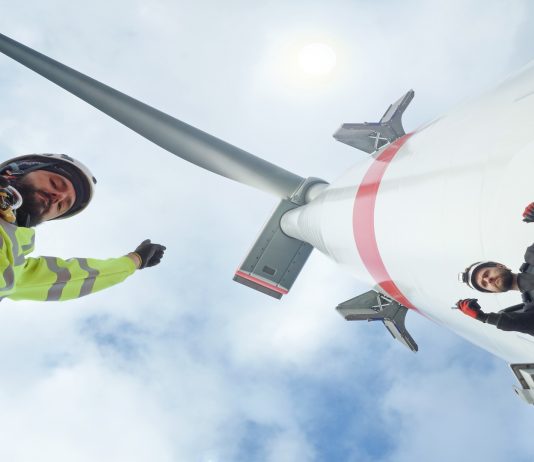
<point>180,363</point>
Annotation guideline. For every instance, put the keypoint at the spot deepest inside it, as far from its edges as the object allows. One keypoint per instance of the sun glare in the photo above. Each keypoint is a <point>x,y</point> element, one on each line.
<point>305,65</point>
<point>317,59</point>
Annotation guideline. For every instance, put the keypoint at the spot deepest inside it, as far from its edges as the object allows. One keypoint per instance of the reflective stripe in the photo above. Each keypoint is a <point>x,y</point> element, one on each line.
<point>9,274</point>
<point>18,258</point>
<point>63,276</point>
<point>28,247</point>
<point>89,281</point>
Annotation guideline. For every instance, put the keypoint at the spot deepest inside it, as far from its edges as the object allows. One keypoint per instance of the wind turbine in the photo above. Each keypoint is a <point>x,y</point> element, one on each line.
<point>404,219</point>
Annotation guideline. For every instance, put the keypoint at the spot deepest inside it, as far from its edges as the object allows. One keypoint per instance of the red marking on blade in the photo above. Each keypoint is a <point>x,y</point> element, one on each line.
<point>280,290</point>
<point>363,222</point>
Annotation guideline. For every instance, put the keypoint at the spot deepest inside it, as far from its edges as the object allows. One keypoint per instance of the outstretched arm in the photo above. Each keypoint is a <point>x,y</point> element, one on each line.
<point>508,321</point>
<point>52,278</point>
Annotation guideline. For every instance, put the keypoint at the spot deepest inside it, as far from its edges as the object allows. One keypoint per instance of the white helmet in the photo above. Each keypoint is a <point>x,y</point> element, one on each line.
<point>79,175</point>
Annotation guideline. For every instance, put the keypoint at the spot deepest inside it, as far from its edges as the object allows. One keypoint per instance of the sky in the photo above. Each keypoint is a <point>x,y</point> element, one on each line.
<point>180,363</point>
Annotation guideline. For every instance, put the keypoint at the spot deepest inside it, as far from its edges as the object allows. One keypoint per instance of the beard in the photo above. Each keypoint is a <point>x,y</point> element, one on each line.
<point>30,213</point>
<point>507,279</point>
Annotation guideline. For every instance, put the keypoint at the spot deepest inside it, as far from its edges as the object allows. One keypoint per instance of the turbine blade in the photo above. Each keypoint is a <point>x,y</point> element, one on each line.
<point>175,136</point>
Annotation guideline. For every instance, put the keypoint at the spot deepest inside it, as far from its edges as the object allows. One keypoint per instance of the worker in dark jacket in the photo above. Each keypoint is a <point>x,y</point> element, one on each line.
<point>492,277</point>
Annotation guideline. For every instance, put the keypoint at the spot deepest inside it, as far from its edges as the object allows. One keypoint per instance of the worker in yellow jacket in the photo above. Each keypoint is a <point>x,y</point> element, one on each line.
<point>40,187</point>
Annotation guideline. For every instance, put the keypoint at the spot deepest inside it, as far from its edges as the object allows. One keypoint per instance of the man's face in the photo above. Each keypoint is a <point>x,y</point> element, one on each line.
<point>495,278</point>
<point>46,195</point>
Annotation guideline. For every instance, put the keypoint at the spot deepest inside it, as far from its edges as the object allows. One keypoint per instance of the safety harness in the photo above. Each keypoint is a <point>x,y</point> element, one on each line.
<point>527,296</point>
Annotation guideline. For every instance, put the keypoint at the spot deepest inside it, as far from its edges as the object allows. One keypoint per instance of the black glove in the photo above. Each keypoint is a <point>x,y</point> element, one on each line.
<point>471,308</point>
<point>528,214</point>
<point>150,254</point>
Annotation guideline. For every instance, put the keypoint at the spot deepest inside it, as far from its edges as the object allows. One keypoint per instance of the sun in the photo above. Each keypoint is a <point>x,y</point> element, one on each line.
<point>317,59</point>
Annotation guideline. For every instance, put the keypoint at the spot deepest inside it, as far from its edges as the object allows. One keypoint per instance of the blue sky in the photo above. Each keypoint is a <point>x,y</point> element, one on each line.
<point>179,363</point>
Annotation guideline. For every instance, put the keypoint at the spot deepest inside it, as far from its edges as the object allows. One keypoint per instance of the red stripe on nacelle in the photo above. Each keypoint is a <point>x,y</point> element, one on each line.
<point>363,222</point>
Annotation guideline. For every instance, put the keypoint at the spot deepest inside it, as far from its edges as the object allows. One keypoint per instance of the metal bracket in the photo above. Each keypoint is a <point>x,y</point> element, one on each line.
<point>525,375</point>
<point>299,196</point>
<point>275,260</point>
<point>375,306</point>
<point>370,137</point>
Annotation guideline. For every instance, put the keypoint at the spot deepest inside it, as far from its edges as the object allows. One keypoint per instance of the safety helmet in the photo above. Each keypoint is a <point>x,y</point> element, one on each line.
<point>468,276</point>
<point>79,175</point>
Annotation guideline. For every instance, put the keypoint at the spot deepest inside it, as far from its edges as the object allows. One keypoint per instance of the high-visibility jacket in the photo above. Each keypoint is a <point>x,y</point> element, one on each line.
<point>51,278</point>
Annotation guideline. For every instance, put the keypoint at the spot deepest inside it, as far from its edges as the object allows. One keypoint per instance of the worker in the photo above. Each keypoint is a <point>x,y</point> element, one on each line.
<point>40,187</point>
<point>493,277</point>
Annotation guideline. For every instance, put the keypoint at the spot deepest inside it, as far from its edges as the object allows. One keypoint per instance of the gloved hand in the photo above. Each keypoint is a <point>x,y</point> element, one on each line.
<point>528,214</point>
<point>470,307</point>
<point>149,254</point>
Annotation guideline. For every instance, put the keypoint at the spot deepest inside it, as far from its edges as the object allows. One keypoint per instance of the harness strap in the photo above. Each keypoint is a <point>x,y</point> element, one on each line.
<point>527,296</point>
